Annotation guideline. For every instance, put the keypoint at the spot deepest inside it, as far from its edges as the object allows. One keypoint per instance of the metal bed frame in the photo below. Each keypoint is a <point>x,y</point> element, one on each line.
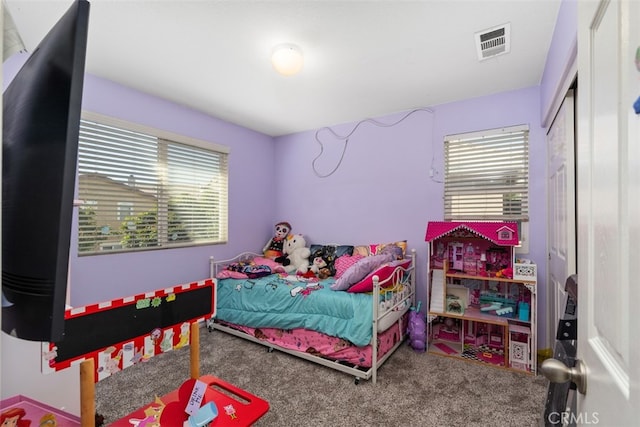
<point>386,314</point>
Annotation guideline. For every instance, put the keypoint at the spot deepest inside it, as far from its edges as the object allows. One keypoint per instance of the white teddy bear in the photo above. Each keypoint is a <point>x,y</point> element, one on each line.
<point>297,253</point>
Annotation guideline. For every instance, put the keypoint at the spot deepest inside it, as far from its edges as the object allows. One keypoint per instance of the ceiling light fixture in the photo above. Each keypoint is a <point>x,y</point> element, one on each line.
<point>287,59</point>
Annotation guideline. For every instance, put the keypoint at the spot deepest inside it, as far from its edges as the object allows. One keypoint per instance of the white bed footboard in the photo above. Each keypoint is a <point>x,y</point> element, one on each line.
<point>395,301</point>
<point>396,296</point>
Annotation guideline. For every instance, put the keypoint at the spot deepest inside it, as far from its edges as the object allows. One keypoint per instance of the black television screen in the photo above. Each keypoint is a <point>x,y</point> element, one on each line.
<point>41,124</point>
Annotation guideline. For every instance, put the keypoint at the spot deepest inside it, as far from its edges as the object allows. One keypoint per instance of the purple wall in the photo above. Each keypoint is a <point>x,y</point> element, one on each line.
<point>561,56</point>
<point>105,277</point>
<point>100,278</point>
<point>382,191</point>
<point>559,72</point>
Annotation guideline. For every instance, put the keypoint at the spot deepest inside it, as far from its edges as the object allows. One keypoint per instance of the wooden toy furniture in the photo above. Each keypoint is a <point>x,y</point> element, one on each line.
<point>476,284</point>
<point>520,347</point>
<point>135,328</point>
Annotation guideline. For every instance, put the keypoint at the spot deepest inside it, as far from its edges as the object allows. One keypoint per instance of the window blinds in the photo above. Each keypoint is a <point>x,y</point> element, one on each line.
<point>487,175</point>
<point>141,191</point>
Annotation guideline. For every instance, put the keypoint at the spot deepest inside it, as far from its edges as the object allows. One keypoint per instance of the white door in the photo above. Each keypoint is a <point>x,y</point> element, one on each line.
<point>608,166</point>
<point>562,225</point>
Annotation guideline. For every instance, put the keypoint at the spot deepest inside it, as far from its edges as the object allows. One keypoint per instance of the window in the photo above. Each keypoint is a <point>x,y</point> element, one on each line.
<point>486,176</point>
<point>146,189</point>
<point>125,209</point>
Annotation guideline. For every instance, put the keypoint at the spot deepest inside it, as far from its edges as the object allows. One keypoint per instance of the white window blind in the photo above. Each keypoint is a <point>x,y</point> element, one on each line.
<point>487,175</point>
<point>143,191</point>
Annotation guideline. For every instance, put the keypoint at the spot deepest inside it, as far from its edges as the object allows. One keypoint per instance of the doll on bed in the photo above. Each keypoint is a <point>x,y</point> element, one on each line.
<point>273,248</point>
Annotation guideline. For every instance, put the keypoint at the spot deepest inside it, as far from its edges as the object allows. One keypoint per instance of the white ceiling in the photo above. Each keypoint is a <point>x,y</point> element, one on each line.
<point>363,59</point>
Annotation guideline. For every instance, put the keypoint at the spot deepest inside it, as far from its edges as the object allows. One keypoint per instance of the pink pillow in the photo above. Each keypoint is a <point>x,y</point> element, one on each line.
<point>359,271</point>
<point>383,272</point>
<point>343,263</point>
<point>228,274</point>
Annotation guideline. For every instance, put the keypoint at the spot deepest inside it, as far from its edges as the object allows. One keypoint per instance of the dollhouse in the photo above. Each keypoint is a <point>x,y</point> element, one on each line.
<point>482,301</point>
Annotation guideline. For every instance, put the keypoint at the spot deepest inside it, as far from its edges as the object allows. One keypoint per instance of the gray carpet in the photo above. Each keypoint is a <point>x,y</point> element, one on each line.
<point>413,389</point>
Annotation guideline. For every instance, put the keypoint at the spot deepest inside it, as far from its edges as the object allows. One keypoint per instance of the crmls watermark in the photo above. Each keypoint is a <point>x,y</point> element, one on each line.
<point>567,418</point>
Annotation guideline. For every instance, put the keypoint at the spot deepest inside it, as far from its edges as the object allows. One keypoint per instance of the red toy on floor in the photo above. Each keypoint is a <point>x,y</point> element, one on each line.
<point>235,406</point>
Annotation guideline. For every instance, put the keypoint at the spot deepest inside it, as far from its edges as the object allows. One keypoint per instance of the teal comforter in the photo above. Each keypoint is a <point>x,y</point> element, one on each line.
<point>286,302</point>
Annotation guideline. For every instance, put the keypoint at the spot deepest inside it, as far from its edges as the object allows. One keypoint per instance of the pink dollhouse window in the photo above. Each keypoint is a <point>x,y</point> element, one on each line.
<point>505,233</point>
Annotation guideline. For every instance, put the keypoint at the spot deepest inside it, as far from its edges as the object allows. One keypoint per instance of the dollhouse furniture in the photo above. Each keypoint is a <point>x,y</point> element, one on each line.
<point>473,264</point>
<point>520,347</point>
<point>476,333</point>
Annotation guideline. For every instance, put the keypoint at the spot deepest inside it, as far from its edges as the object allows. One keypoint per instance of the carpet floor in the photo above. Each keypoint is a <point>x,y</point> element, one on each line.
<point>413,389</point>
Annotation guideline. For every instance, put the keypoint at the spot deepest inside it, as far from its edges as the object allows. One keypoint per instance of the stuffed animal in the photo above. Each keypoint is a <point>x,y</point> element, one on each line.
<point>417,329</point>
<point>324,273</point>
<point>320,268</point>
<point>273,248</point>
<point>317,265</point>
<point>297,254</point>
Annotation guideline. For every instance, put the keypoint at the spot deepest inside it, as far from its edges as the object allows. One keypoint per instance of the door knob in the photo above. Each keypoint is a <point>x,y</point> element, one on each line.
<point>557,372</point>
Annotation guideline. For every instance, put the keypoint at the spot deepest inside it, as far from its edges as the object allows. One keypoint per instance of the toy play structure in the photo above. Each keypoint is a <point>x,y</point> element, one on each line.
<point>141,327</point>
<point>482,302</point>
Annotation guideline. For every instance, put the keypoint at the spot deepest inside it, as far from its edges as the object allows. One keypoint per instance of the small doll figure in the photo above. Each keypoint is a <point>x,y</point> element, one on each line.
<point>273,248</point>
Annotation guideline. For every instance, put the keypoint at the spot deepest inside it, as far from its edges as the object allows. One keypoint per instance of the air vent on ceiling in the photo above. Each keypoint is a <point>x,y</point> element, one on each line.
<point>493,42</point>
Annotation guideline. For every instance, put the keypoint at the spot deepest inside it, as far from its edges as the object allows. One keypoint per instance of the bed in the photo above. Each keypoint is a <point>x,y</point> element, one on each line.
<point>351,322</point>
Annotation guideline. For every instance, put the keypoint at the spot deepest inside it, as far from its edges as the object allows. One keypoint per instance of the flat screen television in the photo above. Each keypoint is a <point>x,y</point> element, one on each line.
<point>41,124</point>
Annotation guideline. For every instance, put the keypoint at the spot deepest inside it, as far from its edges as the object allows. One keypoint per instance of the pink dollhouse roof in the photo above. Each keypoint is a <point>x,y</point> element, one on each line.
<point>486,230</point>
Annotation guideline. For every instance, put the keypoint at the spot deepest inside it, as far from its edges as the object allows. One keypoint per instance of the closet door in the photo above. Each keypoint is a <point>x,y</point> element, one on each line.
<point>561,222</point>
